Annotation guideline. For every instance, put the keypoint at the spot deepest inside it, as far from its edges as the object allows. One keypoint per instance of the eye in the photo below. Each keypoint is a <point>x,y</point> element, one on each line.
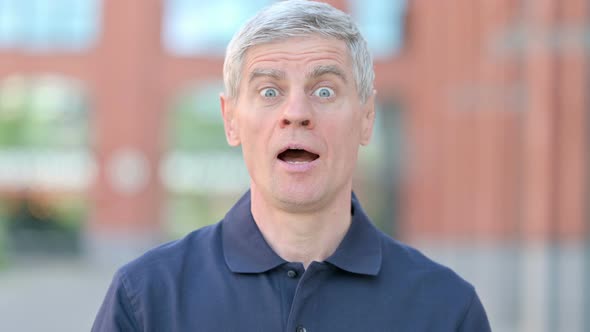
<point>269,92</point>
<point>324,92</point>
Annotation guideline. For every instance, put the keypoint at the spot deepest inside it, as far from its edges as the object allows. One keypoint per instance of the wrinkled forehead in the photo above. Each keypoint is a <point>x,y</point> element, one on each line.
<point>307,48</point>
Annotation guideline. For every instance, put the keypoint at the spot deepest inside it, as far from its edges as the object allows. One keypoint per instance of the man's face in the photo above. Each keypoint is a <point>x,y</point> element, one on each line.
<point>299,120</point>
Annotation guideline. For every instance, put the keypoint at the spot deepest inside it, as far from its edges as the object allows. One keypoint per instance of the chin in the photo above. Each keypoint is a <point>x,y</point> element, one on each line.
<point>299,200</point>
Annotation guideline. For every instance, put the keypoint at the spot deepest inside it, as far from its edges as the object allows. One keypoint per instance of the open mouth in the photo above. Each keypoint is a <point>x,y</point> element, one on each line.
<point>297,156</point>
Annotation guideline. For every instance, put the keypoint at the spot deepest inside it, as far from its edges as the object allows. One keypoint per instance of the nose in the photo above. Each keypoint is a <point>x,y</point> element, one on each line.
<point>297,112</point>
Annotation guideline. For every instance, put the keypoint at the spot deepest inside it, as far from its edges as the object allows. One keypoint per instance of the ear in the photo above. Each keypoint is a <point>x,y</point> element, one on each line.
<point>368,119</point>
<point>229,122</point>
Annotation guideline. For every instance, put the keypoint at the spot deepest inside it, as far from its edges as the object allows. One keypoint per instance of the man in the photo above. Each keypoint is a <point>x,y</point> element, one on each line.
<point>297,252</point>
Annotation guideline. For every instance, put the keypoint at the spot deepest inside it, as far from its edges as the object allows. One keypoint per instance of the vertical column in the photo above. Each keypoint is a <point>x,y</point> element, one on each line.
<point>423,208</point>
<point>540,74</point>
<point>572,111</point>
<point>126,215</point>
<point>458,69</point>
<point>497,130</point>
<point>500,109</point>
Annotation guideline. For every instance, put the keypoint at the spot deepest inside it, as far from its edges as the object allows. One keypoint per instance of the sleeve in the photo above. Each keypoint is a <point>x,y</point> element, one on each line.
<point>116,312</point>
<point>475,318</point>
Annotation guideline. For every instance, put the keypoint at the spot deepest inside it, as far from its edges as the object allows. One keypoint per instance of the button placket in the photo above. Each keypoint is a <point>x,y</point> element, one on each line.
<point>308,281</point>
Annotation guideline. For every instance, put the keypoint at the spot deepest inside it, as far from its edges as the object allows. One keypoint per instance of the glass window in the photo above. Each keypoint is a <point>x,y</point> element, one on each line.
<point>382,23</point>
<point>205,27</point>
<point>193,27</point>
<point>42,112</point>
<point>380,167</point>
<point>49,25</point>
<point>203,176</point>
<point>45,163</point>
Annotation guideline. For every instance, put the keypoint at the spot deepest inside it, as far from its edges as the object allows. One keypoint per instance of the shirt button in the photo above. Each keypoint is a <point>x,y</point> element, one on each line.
<point>293,274</point>
<point>300,329</point>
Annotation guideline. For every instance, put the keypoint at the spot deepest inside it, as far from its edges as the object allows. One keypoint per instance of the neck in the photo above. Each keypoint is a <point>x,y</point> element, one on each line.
<point>303,237</point>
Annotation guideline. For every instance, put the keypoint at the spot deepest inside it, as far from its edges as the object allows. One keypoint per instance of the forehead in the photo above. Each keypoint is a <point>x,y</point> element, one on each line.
<point>300,53</point>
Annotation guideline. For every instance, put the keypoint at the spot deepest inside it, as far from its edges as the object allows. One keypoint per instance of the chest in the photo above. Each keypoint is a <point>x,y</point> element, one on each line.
<point>290,299</point>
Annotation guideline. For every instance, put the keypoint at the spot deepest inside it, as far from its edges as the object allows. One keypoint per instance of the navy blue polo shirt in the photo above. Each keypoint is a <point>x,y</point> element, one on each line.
<point>225,277</point>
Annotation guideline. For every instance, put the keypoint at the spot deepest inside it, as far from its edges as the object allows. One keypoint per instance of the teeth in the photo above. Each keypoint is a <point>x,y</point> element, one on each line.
<point>297,162</point>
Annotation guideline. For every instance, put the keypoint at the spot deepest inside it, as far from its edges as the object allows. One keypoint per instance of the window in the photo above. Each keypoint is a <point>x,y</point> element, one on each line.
<point>380,168</point>
<point>49,25</point>
<point>193,27</point>
<point>45,163</point>
<point>382,24</point>
<point>43,134</point>
<point>203,176</point>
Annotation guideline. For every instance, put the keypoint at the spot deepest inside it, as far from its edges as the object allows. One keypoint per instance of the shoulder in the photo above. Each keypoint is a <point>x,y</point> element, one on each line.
<point>437,290</point>
<point>431,279</point>
<point>152,285</point>
<point>197,249</point>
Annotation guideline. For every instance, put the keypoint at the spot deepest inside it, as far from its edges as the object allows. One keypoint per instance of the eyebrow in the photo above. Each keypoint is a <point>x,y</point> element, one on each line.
<point>272,73</point>
<point>326,69</point>
<point>317,71</point>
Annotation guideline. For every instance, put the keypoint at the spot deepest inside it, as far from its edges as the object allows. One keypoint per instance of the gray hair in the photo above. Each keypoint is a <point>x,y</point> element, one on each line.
<point>299,18</point>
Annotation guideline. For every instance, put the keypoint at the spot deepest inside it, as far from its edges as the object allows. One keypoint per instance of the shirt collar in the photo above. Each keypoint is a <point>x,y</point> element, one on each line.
<point>244,247</point>
<point>246,251</point>
<point>360,250</point>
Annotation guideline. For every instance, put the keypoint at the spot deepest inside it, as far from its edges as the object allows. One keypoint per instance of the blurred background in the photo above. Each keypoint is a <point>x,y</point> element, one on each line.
<point>111,141</point>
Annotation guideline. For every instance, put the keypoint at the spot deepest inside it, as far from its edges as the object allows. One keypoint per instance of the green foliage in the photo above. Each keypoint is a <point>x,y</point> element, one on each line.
<point>187,212</point>
<point>70,212</point>
<point>196,128</point>
<point>47,113</point>
<point>12,130</point>
<point>196,123</point>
